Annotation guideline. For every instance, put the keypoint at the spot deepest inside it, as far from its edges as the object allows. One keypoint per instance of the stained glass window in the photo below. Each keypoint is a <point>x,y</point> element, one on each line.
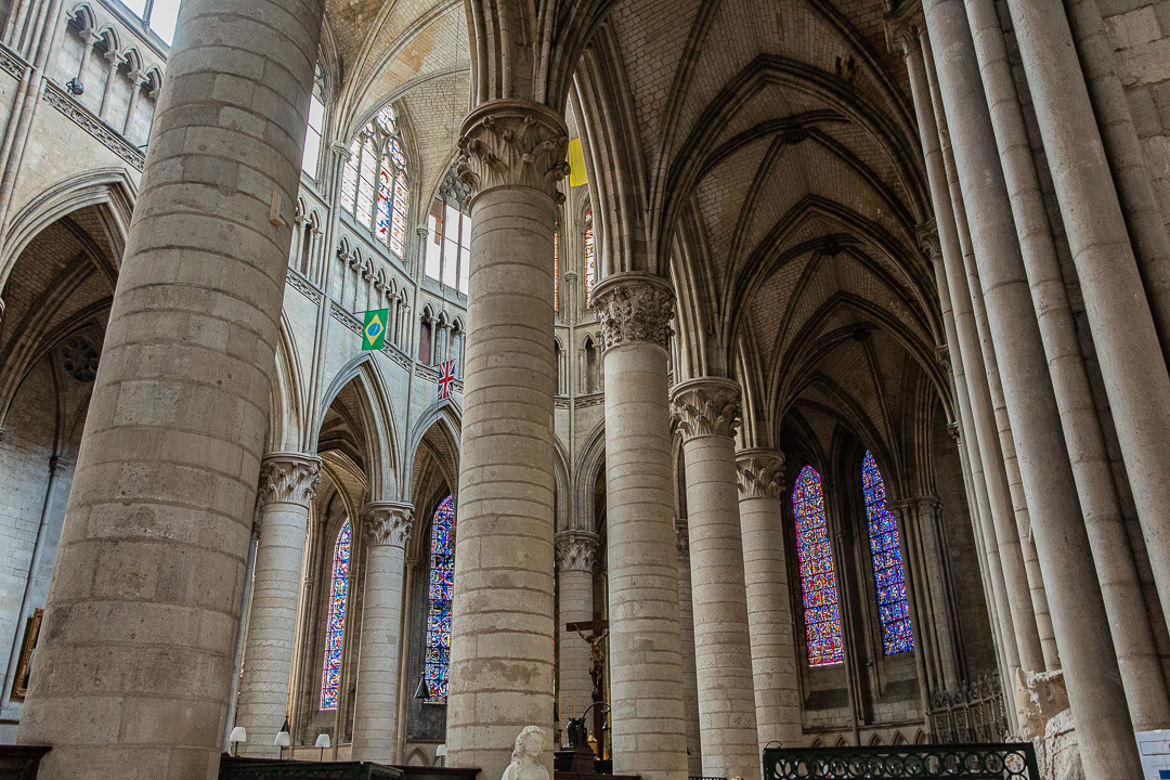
<point>818,577</point>
<point>888,574</point>
<point>441,589</point>
<point>335,628</point>
<point>373,185</point>
<point>590,257</point>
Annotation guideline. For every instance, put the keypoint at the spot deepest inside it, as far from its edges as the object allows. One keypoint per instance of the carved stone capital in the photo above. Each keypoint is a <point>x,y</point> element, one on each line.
<point>289,478</point>
<point>388,524</point>
<point>576,550</point>
<point>903,28</point>
<point>513,143</point>
<point>760,473</point>
<point>953,430</point>
<point>706,407</point>
<point>634,307</point>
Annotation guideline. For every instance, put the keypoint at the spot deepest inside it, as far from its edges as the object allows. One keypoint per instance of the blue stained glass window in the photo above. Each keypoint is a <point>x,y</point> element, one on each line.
<point>818,578</point>
<point>889,576</point>
<point>335,629</point>
<point>442,588</point>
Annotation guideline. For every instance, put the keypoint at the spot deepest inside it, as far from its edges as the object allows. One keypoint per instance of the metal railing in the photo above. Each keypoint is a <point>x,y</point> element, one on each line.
<point>923,762</point>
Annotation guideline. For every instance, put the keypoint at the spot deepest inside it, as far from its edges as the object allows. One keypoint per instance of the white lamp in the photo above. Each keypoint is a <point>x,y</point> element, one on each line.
<point>239,734</point>
<point>322,742</point>
<point>282,737</point>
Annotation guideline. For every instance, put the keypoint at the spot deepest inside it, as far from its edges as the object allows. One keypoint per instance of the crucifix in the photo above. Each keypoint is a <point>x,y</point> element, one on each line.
<point>598,631</point>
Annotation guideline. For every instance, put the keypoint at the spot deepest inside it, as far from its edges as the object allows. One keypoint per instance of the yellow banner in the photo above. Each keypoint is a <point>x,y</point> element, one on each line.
<point>577,175</point>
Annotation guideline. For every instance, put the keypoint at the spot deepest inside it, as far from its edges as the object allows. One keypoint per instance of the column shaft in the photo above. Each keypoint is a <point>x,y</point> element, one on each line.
<point>137,645</point>
<point>375,716</point>
<point>769,606</point>
<point>649,735</point>
<point>287,486</point>
<point>1127,159</point>
<point>686,627</point>
<point>1137,657</point>
<point>947,259</point>
<point>1098,702</point>
<point>576,557</point>
<point>707,412</point>
<point>1122,327</point>
<point>1000,533</point>
<point>503,631</point>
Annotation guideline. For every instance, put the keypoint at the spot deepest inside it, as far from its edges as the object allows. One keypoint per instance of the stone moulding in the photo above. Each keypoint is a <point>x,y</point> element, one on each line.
<point>634,307</point>
<point>513,143</point>
<point>706,407</point>
<point>87,121</point>
<point>303,286</point>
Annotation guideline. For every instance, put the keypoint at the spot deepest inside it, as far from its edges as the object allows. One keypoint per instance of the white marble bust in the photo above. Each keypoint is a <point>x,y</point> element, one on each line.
<point>529,745</point>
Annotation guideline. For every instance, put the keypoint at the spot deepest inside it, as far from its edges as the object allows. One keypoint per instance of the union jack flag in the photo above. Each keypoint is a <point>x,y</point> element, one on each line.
<point>446,379</point>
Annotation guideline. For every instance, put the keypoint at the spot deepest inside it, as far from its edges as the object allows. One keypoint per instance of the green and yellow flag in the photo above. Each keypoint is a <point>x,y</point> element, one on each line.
<point>374,331</point>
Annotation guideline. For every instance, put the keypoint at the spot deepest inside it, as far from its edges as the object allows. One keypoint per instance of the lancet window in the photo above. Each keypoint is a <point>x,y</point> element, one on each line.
<point>886,553</point>
<point>373,186</point>
<point>590,258</point>
<point>335,628</point>
<point>442,586</point>
<point>818,576</point>
<point>448,253</point>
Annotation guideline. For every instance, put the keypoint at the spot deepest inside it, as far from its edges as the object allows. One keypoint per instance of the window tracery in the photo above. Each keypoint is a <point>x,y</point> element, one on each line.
<point>818,576</point>
<point>442,586</point>
<point>335,627</point>
<point>448,254</point>
<point>886,554</point>
<point>373,185</point>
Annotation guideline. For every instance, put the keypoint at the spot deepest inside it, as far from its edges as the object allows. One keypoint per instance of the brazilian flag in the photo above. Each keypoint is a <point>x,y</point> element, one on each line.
<point>374,330</point>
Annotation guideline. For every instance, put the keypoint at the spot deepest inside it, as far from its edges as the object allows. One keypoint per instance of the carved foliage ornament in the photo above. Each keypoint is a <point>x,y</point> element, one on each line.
<point>576,551</point>
<point>760,473</point>
<point>389,524</point>
<point>289,479</point>
<point>706,407</point>
<point>510,143</point>
<point>634,307</point>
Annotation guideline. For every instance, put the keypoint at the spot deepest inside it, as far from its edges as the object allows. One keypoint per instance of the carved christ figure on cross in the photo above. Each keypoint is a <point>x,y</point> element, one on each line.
<point>598,631</point>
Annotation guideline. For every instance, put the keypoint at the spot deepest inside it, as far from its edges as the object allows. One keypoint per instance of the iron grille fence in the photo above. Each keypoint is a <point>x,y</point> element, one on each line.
<point>973,713</point>
<point>923,762</point>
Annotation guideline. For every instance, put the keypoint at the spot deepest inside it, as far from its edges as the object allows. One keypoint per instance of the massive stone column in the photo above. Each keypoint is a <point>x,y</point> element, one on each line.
<point>136,652</point>
<point>707,413</point>
<point>1122,326</point>
<point>288,483</point>
<point>1121,590</point>
<point>686,631</point>
<point>645,669</point>
<point>761,516</point>
<point>576,559</point>
<point>503,631</point>
<point>1080,623</point>
<point>387,532</point>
